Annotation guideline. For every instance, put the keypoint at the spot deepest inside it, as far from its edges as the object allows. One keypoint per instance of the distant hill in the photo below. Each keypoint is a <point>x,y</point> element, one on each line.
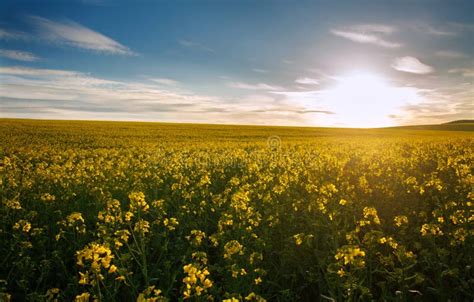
<point>460,122</point>
<point>459,125</point>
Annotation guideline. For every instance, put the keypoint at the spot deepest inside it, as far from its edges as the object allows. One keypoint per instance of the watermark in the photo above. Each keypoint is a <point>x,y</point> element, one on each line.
<point>274,143</point>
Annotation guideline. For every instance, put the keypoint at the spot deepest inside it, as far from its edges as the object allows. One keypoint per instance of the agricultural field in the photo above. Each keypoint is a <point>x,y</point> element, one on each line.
<point>116,211</point>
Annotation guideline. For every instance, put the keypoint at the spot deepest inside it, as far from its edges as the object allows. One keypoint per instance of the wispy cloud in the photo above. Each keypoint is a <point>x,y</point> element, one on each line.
<point>411,65</point>
<point>450,54</point>
<point>299,111</point>
<point>465,72</point>
<point>7,34</point>
<point>76,35</point>
<point>258,70</point>
<point>51,90</point>
<point>18,55</point>
<point>26,71</point>
<point>164,81</point>
<point>428,29</point>
<point>195,45</point>
<point>257,86</point>
<point>375,28</point>
<point>306,81</point>
<point>462,26</point>
<point>440,32</point>
<point>368,34</point>
<point>67,94</point>
<point>441,105</point>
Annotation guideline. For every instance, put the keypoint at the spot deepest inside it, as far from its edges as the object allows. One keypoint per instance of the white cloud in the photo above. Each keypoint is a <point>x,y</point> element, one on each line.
<point>368,34</point>
<point>164,81</point>
<point>450,54</point>
<point>307,81</point>
<point>18,55</point>
<point>260,70</point>
<point>411,65</point>
<point>257,86</point>
<point>76,35</point>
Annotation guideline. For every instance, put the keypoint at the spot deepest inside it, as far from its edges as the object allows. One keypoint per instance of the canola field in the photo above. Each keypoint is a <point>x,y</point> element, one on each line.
<point>113,211</point>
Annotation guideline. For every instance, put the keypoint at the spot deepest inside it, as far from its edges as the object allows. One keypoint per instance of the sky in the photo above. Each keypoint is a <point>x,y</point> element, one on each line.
<point>356,63</point>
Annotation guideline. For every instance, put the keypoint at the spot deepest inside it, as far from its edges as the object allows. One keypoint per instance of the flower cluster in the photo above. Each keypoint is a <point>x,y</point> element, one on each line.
<point>196,281</point>
<point>96,259</point>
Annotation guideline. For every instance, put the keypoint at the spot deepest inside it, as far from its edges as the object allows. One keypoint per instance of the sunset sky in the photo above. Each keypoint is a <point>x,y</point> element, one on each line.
<point>311,63</point>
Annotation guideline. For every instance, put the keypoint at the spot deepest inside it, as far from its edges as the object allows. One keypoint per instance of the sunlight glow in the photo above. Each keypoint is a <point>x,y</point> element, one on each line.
<point>363,99</point>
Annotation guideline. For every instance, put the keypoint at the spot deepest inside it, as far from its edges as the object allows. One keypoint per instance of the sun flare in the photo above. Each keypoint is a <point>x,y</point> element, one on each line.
<point>363,99</point>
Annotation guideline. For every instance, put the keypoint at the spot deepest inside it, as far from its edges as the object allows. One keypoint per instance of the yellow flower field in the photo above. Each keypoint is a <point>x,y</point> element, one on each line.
<point>113,211</point>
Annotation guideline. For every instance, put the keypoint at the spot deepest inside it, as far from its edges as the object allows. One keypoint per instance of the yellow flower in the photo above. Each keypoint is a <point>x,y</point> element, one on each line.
<point>205,180</point>
<point>370,212</point>
<point>430,229</point>
<point>51,294</point>
<point>120,278</point>
<point>13,204</point>
<point>207,283</point>
<point>151,294</point>
<point>196,237</point>
<point>341,273</point>
<point>254,297</point>
<point>128,216</point>
<point>22,224</point>
<point>171,223</point>
<point>298,238</point>
<point>84,278</point>
<point>48,197</point>
<point>74,217</point>
<point>98,257</point>
<point>400,220</point>
<point>197,281</point>
<point>137,202</point>
<point>142,226</point>
<point>255,257</point>
<point>258,280</point>
<point>112,269</point>
<point>231,248</point>
<point>459,235</point>
<point>351,255</point>
<point>84,297</point>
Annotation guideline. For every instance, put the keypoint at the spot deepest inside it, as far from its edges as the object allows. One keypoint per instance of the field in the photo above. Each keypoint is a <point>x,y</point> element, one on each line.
<point>153,212</point>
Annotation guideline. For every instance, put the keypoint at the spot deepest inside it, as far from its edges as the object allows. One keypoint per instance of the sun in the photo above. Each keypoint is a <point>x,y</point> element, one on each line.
<point>363,99</point>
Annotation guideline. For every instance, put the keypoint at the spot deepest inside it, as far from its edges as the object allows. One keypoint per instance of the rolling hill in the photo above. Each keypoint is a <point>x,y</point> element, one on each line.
<point>459,125</point>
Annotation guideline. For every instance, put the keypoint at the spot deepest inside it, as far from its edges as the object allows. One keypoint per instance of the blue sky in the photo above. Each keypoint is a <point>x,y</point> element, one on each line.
<point>321,63</point>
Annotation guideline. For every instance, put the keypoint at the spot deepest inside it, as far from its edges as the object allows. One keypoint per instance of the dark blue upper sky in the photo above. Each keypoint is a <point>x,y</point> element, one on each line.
<point>256,62</point>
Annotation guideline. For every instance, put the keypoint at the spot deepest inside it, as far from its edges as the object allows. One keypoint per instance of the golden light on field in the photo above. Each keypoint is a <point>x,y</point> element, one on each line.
<point>363,99</point>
